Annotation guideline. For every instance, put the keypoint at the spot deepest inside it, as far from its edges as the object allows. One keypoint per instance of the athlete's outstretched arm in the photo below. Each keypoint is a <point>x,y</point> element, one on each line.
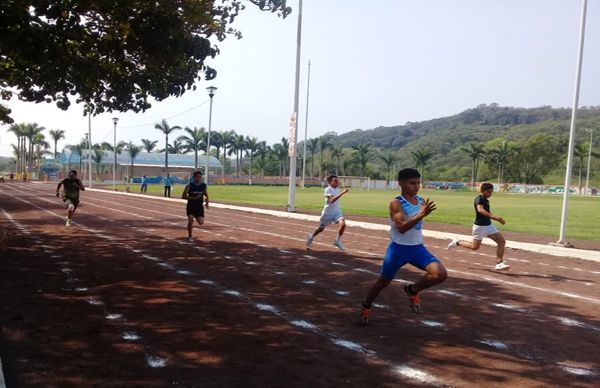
<point>404,225</point>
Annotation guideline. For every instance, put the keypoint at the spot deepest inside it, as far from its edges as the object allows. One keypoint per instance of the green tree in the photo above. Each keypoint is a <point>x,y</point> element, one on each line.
<point>421,157</point>
<point>337,153</point>
<point>97,155</point>
<point>163,126</point>
<point>251,148</point>
<point>133,151</point>
<point>499,156</point>
<point>112,55</point>
<point>536,157</point>
<point>227,138</point>
<point>362,155</point>
<point>56,135</point>
<point>476,152</point>
<point>313,146</point>
<point>388,160</point>
<point>324,145</point>
<point>149,145</point>
<point>194,141</point>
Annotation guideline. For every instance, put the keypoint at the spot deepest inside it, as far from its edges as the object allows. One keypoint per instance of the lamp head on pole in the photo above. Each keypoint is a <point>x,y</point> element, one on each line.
<point>211,91</point>
<point>115,120</point>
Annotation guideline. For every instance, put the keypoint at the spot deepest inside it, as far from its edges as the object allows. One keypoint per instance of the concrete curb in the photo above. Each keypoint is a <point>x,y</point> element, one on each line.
<point>538,248</point>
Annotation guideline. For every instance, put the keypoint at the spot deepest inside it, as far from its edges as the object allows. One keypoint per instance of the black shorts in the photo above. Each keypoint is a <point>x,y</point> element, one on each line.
<point>196,210</point>
<point>74,201</point>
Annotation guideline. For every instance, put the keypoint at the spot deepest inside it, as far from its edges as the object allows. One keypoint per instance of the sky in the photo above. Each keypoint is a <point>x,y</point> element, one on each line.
<point>373,63</point>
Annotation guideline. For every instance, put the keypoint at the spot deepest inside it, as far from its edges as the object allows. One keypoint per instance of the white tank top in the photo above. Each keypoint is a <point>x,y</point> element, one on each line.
<point>414,236</point>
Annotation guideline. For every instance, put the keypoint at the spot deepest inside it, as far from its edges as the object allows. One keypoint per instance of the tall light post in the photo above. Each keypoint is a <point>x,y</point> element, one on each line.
<point>305,128</point>
<point>562,239</point>
<point>587,176</point>
<point>294,119</point>
<point>211,93</point>
<point>89,150</point>
<point>115,121</point>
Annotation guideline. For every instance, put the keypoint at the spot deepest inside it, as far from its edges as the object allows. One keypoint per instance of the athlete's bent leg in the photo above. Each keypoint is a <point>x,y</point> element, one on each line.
<point>199,220</point>
<point>499,239</point>
<point>473,245</point>
<point>376,288</point>
<point>342,223</point>
<point>190,225</point>
<point>436,273</point>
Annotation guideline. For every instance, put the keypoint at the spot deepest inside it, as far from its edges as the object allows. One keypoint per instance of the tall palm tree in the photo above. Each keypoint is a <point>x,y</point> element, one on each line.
<point>313,146</point>
<point>237,146</point>
<point>500,156</point>
<point>97,155</point>
<point>163,126</point>
<point>421,157</point>
<point>133,151</point>
<point>262,157</point>
<point>283,154</point>
<point>56,135</point>
<point>149,145</point>
<point>324,144</point>
<point>475,151</point>
<point>581,152</point>
<point>362,154</point>
<point>40,150</point>
<point>19,132</point>
<point>227,138</point>
<point>194,141</point>
<point>31,130</point>
<point>251,148</point>
<point>177,147</point>
<point>337,153</point>
<point>389,160</point>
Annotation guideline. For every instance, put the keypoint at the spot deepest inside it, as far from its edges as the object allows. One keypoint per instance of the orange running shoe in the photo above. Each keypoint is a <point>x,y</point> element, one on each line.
<point>413,299</point>
<point>364,315</point>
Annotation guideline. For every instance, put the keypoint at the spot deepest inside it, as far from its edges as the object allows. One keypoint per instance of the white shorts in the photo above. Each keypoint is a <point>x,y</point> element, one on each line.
<point>333,218</point>
<point>479,231</point>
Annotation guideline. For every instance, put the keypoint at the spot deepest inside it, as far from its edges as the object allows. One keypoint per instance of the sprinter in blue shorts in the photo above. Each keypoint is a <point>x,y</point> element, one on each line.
<point>406,246</point>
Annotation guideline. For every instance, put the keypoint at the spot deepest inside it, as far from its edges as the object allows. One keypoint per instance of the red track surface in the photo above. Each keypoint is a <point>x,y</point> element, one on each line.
<point>122,299</point>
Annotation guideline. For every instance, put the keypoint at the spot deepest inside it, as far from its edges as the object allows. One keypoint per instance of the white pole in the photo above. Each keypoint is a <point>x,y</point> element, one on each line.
<point>89,150</point>
<point>587,176</point>
<point>305,128</point>
<point>211,93</point>
<point>562,240</point>
<point>292,183</point>
<point>114,151</point>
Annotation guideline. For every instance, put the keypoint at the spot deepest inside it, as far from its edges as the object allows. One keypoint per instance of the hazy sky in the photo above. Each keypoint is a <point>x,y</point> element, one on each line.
<point>374,63</point>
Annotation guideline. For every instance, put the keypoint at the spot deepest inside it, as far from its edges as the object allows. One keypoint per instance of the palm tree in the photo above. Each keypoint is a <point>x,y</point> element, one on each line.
<point>31,130</point>
<point>251,148</point>
<point>421,157</point>
<point>581,152</point>
<point>475,151</point>
<point>149,145</point>
<point>262,157</point>
<point>312,145</point>
<point>388,160</point>
<point>337,153</point>
<point>19,131</point>
<point>56,135</point>
<point>362,154</point>
<point>40,149</point>
<point>133,151</point>
<point>98,154</point>
<point>324,144</point>
<point>237,146</point>
<point>500,155</point>
<point>227,138</point>
<point>194,141</point>
<point>163,126</point>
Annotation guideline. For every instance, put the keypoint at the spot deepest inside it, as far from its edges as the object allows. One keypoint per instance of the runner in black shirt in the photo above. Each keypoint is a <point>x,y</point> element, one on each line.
<point>195,192</point>
<point>71,187</point>
<point>483,227</point>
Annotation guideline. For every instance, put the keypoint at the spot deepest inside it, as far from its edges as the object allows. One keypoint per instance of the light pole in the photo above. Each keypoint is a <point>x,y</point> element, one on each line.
<point>305,128</point>
<point>89,150</point>
<point>115,121</point>
<point>587,176</point>
<point>562,239</point>
<point>211,93</point>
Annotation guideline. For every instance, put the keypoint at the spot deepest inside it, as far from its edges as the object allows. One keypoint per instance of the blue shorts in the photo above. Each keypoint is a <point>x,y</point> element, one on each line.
<point>397,255</point>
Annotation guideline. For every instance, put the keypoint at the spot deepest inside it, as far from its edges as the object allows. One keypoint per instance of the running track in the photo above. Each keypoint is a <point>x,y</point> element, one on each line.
<point>247,305</point>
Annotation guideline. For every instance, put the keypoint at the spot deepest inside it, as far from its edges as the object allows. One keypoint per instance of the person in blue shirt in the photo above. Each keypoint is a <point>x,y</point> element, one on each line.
<point>167,182</point>
<point>406,246</point>
<point>144,186</point>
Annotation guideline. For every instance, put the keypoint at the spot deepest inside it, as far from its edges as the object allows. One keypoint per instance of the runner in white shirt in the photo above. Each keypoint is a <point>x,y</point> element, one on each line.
<point>332,213</point>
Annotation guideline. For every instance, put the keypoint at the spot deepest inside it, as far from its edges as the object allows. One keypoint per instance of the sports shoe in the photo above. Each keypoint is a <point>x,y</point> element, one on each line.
<point>414,300</point>
<point>338,243</point>
<point>452,244</point>
<point>309,240</point>
<point>501,266</point>
<point>364,315</point>
<point>190,239</point>
<point>69,222</point>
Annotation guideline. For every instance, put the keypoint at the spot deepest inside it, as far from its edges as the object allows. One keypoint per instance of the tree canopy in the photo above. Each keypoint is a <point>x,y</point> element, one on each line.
<point>111,55</point>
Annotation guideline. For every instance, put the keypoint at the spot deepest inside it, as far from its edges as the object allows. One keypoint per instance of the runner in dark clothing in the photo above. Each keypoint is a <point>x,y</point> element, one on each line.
<point>71,187</point>
<point>195,192</point>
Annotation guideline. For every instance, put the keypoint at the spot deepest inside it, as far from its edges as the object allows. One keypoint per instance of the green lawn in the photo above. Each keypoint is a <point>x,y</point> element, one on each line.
<point>539,214</point>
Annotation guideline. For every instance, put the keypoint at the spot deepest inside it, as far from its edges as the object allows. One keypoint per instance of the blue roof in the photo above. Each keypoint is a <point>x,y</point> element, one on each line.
<point>145,159</point>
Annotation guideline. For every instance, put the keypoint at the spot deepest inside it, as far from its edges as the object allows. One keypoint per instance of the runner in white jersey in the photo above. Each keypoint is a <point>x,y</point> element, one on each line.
<point>406,246</point>
<point>332,213</point>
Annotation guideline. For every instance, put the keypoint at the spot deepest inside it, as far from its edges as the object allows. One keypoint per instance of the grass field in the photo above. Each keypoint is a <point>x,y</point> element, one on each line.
<point>538,214</point>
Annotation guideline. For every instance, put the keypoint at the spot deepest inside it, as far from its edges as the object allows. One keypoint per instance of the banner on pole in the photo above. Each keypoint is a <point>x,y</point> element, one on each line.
<point>292,136</point>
